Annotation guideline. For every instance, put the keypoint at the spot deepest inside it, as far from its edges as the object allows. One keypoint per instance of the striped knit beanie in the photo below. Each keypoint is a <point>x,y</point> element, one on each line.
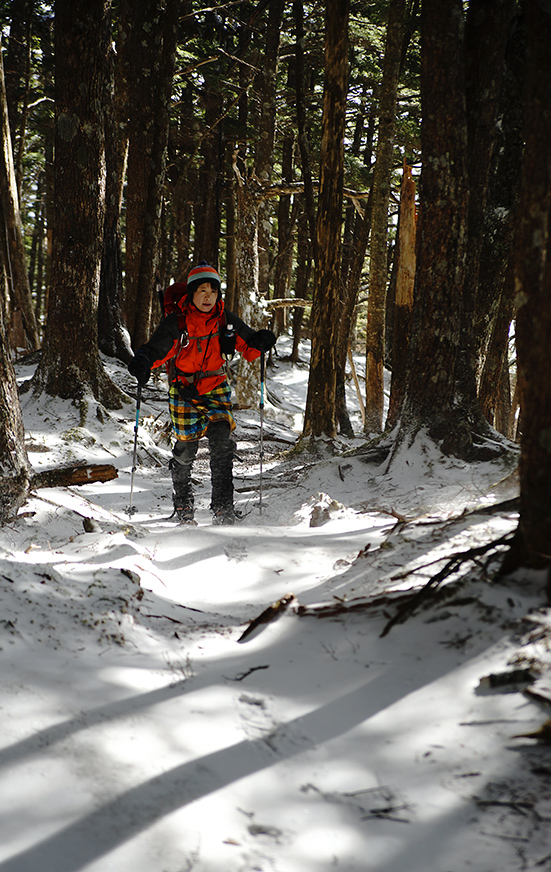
<point>200,274</point>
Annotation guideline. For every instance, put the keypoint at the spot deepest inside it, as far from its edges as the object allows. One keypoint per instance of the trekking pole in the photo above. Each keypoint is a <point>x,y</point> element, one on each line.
<point>262,375</point>
<point>130,508</point>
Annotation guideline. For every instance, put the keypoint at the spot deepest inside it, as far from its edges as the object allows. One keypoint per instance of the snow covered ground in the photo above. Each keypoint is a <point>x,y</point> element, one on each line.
<point>140,735</point>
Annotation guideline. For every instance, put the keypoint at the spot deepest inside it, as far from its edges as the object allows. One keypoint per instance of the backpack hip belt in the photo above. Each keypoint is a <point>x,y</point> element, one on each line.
<point>193,377</point>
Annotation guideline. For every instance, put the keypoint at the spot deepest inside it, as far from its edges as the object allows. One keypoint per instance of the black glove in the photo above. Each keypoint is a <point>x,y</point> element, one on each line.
<point>262,340</point>
<point>187,392</point>
<point>140,367</point>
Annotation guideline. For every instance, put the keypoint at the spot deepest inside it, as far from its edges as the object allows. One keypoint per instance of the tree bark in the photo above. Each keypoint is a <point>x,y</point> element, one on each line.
<point>405,284</point>
<point>442,225</point>
<point>302,131</point>
<point>302,282</point>
<point>495,405</point>
<point>319,417</point>
<point>70,366</point>
<point>252,264</point>
<point>486,29</point>
<point>17,270</point>
<point>15,63</point>
<point>496,275</point>
<point>15,469</point>
<point>209,191</point>
<point>113,336</point>
<point>355,239</point>
<point>533,299</point>
<point>152,48</point>
<point>246,262</point>
<point>266,87</point>
<point>378,273</point>
<point>286,222</point>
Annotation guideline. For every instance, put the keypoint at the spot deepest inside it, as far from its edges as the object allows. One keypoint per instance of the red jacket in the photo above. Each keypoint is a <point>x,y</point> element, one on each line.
<point>189,339</point>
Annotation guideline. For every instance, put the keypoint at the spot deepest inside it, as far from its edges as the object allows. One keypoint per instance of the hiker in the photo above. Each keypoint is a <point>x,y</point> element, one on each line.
<point>195,339</point>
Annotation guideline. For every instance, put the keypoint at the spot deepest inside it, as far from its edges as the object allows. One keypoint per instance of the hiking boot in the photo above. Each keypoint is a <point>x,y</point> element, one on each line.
<point>225,517</point>
<point>184,514</point>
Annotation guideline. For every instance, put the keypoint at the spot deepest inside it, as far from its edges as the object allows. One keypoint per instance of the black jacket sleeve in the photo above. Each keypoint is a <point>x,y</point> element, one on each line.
<point>240,327</point>
<point>161,342</point>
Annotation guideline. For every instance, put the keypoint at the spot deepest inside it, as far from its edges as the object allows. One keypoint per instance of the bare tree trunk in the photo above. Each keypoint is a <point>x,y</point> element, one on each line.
<point>265,83</point>
<point>405,283</point>
<point>11,218</point>
<point>151,47</point>
<point>70,366</point>
<point>303,275</point>
<point>486,29</point>
<point>309,199</point>
<point>16,71</point>
<point>252,265</point>
<point>354,250</point>
<point>209,191</point>
<point>246,258</point>
<point>320,418</point>
<point>496,361</point>
<point>231,296</point>
<point>15,469</point>
<point>442,225</point>
<point>533,299</point>
<point>286,220</point>
<point>378,274</point>
<point>496,276</point>
<point>113,336</point>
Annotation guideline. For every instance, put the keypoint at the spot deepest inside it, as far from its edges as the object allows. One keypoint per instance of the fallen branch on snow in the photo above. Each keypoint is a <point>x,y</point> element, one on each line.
<point>407,602</point>
<point>452,565</point>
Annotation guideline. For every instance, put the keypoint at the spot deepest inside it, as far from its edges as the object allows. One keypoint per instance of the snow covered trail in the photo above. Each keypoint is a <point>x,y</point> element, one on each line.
<point>139,735</point>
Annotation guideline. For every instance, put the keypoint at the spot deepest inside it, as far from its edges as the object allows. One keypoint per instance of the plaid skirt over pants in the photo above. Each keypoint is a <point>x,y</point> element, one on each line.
<point>191,418</point>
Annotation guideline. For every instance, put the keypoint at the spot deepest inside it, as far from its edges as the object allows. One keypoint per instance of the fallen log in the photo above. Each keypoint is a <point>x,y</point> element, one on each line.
<point>67,476</point>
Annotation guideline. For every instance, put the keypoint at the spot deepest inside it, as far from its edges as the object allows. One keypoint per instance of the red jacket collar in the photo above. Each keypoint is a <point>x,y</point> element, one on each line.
<point>194,315</point>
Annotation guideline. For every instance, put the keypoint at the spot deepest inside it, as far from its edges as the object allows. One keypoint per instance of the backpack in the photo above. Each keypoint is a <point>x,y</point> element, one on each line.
<point>171,297</point>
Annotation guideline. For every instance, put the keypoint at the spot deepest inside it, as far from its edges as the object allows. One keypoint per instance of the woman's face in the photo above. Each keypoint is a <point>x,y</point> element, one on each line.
<point>204,297</point>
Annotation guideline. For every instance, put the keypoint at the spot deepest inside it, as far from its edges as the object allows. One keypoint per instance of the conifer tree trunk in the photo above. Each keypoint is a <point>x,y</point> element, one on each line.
<point>150,49</point>
<point>496,277</point>
<point>487,25</point>
<point>495,403</point>
<point>533,300</point>
<point>352,267</point>
<point>15,469</point>
<point>15,59</point>
<point>286,220</point>
<point>302,128</point>
<point>405,283</point>
<point>442,227</point>
<point>265,83</point>
<point>209,191</point>
<point>251,225</point>
<point>17,270</point>
<point>70,366</point>
<point>113,336</point>
<point>378,273</point>
<point>319,417</point>
<point>246,261</point>
<point>303,275</point>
